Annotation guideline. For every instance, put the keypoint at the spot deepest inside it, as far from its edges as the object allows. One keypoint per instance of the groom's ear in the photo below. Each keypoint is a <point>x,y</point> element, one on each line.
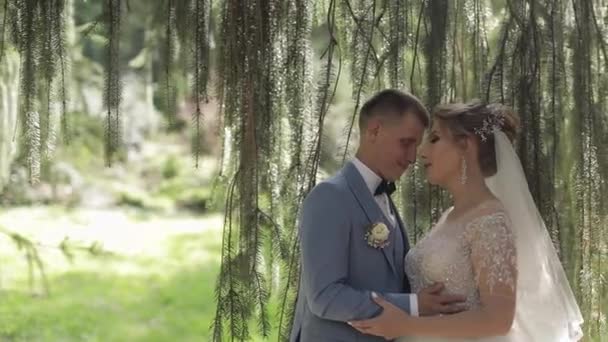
<point>373,128</point>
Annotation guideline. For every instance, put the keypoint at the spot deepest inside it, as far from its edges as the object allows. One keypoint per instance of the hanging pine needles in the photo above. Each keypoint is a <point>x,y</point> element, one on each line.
<point>112,87</point>
<point>247,49</point>
<point>201,70</point>
<point>169,60</point>
<point>39,36</point>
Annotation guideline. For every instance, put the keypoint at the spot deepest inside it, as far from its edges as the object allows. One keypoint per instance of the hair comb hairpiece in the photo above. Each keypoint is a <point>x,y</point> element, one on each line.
<point>491,124</point>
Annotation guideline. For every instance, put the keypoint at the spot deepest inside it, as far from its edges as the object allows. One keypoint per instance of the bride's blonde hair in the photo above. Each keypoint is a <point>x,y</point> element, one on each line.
<point>476,119</point>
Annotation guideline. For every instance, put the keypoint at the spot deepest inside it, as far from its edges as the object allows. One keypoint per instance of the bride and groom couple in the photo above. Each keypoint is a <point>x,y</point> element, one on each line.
<point>487,271</point>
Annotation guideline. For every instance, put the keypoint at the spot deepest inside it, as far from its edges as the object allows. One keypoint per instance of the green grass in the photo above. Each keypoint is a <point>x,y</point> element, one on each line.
<point>86,306</point>
<point>166,296</point>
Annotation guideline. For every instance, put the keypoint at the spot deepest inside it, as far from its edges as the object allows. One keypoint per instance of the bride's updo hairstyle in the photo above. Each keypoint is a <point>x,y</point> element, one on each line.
<point>478,120</point>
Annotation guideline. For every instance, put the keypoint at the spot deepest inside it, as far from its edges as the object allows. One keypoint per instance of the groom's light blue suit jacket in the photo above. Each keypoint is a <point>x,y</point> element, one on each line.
<point>339,268</point>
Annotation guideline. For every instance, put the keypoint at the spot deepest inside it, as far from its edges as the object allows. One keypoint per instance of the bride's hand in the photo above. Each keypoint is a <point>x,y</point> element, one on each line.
<point>389,324</point>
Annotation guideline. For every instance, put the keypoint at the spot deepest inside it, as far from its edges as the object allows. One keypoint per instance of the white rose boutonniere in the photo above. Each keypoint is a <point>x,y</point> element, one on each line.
<point>377,235</point>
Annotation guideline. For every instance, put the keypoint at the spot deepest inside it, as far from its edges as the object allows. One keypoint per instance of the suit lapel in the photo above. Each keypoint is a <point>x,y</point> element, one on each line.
<point>406,243</point>
<point>403,245</point>
<point>370,208</point>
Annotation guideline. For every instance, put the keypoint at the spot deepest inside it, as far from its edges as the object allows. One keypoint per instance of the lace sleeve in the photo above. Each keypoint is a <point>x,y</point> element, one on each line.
<point>493,253</point>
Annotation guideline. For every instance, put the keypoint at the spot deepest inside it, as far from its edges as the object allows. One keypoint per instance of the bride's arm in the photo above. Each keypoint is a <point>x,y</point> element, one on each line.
<point>493,257</point>
<point>493,319</point>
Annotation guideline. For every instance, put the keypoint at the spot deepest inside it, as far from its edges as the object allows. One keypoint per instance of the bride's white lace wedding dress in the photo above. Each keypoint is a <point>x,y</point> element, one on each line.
<point>448,253</point>
<point>486,246</point>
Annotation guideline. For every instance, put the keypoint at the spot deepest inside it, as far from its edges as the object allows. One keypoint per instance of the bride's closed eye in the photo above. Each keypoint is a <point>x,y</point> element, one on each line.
<point>433,138</point>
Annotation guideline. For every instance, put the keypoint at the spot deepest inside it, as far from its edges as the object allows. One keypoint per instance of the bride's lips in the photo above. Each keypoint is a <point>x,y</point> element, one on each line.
<point>426,166</point>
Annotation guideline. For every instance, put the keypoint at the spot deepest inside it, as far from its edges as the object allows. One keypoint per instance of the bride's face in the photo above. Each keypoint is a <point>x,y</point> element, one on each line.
<point>441,155</point>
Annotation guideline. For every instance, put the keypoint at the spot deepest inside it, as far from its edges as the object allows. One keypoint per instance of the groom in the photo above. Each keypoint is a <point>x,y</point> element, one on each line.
<point>353,240</point>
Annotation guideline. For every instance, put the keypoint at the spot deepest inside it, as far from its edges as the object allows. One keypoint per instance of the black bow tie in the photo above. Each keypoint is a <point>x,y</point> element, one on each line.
<point>385,187</point>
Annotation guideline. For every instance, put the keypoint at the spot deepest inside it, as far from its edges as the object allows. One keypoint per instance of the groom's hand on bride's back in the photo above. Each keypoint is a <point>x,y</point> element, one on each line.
<point>432,302</point>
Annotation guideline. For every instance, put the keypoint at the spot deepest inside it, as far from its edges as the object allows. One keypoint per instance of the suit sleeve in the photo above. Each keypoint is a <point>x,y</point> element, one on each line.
<point>325,232</point>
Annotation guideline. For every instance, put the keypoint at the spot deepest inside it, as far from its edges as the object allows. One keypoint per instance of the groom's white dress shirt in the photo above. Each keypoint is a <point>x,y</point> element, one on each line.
<point>372,180</point>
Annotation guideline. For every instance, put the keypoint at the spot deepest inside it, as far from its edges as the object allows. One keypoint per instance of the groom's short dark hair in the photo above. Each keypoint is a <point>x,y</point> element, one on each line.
<point>393,103</point>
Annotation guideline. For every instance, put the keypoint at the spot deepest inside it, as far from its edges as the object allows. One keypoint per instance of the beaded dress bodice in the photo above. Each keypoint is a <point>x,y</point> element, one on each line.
<point>453,249</point>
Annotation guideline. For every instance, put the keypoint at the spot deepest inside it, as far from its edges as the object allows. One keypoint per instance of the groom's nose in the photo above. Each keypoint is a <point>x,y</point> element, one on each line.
<point>411,158</point>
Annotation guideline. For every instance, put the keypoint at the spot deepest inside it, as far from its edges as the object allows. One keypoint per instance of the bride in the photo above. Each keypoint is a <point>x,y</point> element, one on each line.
<point>491,246</point>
